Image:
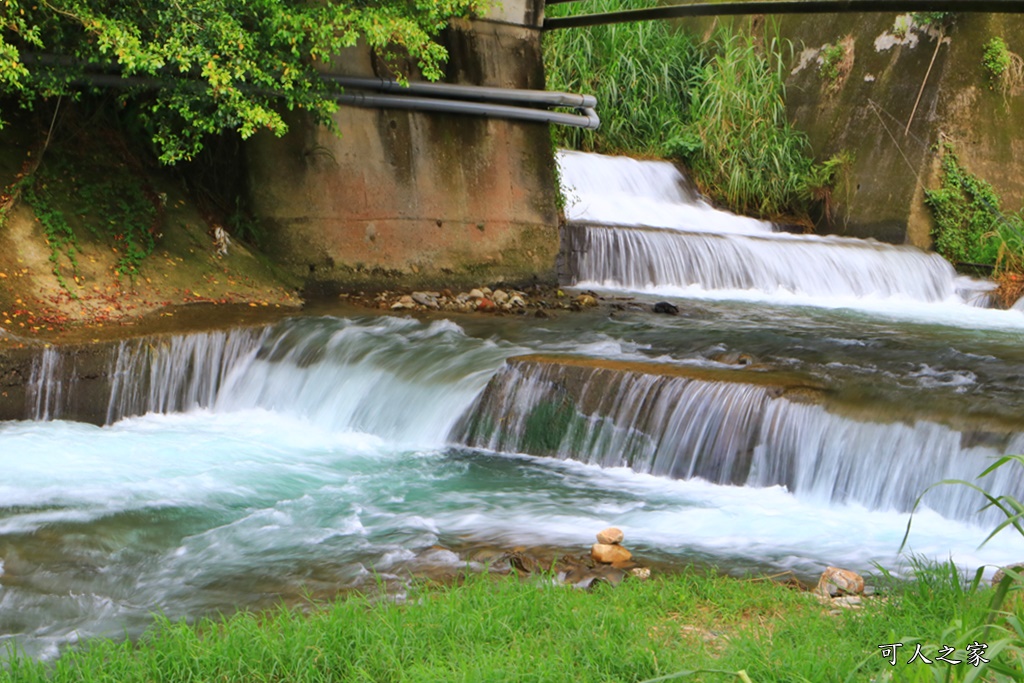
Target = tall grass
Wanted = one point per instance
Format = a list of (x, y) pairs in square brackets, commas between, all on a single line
[(747, 156), (1000, 626), (717, 105), (642, 75)]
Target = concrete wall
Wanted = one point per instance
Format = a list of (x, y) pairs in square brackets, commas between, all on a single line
[(866, 111), (80, 392), (413, 198)]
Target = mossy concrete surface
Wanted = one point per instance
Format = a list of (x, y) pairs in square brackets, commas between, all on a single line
[(38, 305), (866, 109)]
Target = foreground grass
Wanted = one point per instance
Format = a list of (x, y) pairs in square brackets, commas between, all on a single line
[(488, 629)]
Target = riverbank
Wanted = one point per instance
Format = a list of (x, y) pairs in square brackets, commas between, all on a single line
[(29, 321), (689, 625)]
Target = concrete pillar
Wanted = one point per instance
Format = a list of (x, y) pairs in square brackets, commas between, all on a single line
[(418, 199)]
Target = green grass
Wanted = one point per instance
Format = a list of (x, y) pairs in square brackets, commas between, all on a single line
[(642, 75), (487, 629)]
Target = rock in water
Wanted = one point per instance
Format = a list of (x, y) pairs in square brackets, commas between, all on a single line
[(666, 308), (606, 553), (610, 536), (835, 581)]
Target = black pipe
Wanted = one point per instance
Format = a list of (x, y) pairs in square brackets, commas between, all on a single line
[(478, 93), (784, 7), (586, 119)]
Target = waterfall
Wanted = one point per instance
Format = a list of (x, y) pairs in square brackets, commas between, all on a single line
[(636, 226), (47, 391), (176, 373), (619, 190), (735, 433), (394, 378), (639, 259), (430, 385)]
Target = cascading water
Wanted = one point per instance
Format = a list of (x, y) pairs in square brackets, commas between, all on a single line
[(392, 378), (699, 249), (620, 190), (245, 467), (46, 391), (179, 373), (729, 433), (827, 267), (249, 466)]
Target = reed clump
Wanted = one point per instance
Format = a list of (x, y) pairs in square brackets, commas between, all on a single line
[(715, 104)]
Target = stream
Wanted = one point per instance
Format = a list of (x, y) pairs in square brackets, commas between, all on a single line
[(810, 389)]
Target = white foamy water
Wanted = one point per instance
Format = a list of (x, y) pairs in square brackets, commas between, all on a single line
[(694, 518), (190, 513), (619, 190), (697, 251)]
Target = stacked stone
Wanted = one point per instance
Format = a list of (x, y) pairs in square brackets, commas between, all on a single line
[(608, 549)]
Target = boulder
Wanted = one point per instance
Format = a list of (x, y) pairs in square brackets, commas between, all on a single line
[(606, 553), (476, 294), (1017, 567), (835, 582), (500, 296), (610, 536), (666, 308)]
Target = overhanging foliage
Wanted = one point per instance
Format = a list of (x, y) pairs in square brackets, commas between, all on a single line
[(222, 64)]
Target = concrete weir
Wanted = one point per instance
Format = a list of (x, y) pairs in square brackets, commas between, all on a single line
[(415, 197), (744, 427)]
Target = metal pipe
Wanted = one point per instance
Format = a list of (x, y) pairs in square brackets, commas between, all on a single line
[(784, 7), (478, 93), (588, 119)]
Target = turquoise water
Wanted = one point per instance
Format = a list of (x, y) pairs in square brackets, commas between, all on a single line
[(323, 460)]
